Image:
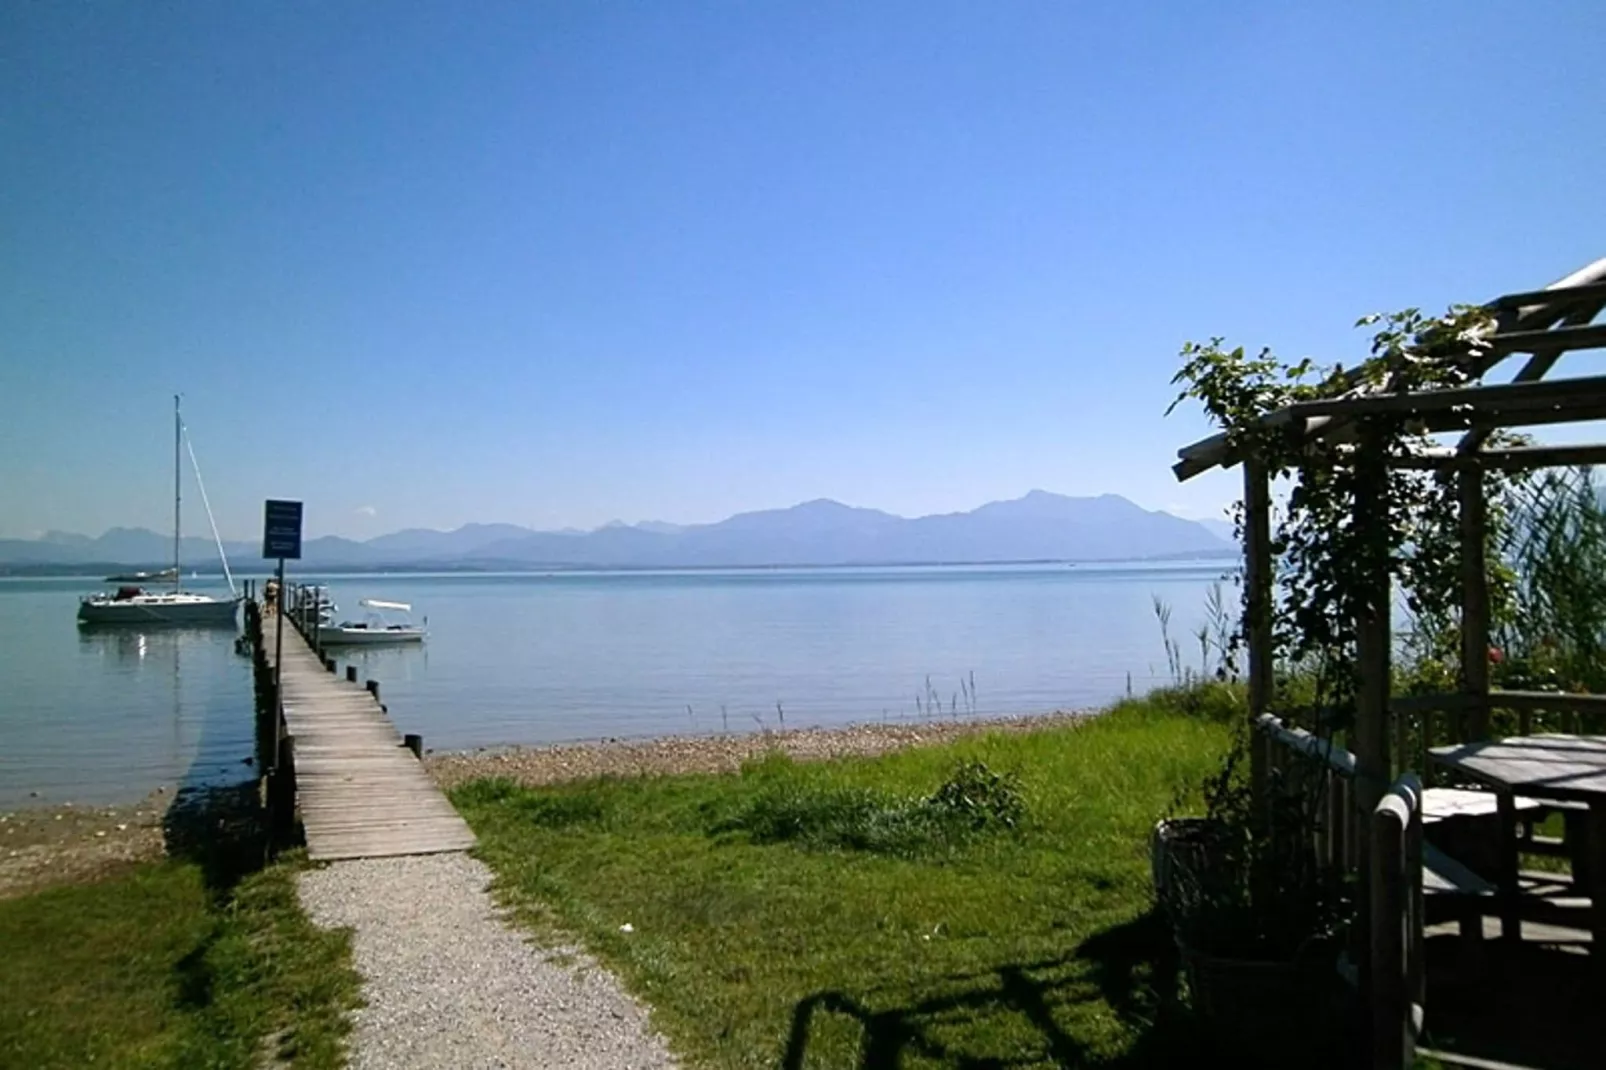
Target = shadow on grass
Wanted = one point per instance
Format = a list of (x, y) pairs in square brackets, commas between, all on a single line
[(1131, 968), (220, 829)]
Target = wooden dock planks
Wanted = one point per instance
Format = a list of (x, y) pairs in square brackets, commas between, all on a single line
[(360, 792)]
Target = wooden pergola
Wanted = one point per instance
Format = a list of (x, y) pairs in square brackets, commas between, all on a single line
[(1541, 324)]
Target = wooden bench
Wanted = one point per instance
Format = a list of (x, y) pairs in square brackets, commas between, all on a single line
[(1444, 804), (1455, 890), (1465, 822), (1404, 873)]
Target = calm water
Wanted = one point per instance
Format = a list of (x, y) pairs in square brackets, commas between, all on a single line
[(108, 715)]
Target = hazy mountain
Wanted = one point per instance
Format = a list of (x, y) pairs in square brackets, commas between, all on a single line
[(414, 543), (124, 546), (1038, 527), (1220, 528)]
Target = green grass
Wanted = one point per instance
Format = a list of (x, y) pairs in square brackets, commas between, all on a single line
[(836, 914), (152, 968)]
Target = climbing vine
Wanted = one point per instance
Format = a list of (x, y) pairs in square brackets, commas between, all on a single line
[(1345, 513)]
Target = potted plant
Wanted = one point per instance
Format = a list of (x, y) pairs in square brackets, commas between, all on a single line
[(1260, 925)]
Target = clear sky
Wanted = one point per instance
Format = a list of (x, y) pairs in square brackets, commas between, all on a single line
[(557, 263)]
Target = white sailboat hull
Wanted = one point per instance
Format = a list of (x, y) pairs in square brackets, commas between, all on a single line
[(171, 608)]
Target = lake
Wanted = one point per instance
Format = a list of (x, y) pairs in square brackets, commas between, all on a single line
[(107, 715)]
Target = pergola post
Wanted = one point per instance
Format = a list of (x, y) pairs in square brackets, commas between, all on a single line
[(1474, 603), (1257, 604), (1258, 584), (1372, 665), (1372, 629)]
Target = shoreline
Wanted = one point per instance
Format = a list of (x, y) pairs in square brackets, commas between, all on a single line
[(558, 763), (52, 843), (62, 843)]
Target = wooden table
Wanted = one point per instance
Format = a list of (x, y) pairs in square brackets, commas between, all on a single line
[(1549, 767)]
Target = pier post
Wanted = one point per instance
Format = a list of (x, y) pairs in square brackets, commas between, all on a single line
[(351, 674), (373, 689), (329, 663), (278, 630), (284, 791), (414, 743)]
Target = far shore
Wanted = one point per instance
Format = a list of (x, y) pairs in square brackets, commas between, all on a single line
[(667, 755)]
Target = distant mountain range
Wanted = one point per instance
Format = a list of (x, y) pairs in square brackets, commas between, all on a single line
[(1038, 527)]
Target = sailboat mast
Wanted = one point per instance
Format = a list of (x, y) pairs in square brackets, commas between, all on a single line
[(178, 493)]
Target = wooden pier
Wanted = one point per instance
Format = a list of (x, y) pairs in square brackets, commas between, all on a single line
[(333, 758)]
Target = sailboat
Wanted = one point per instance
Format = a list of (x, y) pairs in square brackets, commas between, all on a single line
[(135, 605)]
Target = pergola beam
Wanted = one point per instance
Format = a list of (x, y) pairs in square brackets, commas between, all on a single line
[(1551, 297), (1515, 459), (1492, 400), (1549, 340), (1527, 324), (1539, 365)]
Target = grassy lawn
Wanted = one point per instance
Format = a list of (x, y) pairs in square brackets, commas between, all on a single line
[(151, 967), (823, 915)]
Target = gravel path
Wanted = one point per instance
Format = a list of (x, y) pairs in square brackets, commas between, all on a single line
[(449, 984)]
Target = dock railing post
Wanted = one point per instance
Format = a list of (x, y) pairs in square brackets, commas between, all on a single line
[(284, 801), (278, 629)]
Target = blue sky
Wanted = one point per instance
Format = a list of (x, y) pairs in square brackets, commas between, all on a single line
[(557, 263)]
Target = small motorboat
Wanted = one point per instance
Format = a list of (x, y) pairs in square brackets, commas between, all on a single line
[(314, 596), (380, 626)]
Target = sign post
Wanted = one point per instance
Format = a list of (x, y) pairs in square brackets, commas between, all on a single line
[(281, 539)]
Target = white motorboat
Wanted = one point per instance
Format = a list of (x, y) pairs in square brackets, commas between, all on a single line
[(314, 596), (377, 628), (135, 605)]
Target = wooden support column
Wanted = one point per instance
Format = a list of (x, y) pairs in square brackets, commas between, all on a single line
[(1372, 635), (1474, 603), (1257, 604), (1258, 585), (1370, 732)]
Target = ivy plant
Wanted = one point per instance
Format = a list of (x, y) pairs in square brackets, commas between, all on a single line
[(1322, 545)]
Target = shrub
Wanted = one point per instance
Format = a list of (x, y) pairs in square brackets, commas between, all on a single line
[(981, 797), (973, 799)]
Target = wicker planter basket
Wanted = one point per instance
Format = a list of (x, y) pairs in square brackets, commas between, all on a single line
[(1282, 1013), (1278, 1013), (1188, 857)]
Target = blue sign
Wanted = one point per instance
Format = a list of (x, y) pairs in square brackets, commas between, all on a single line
[(281, 529)]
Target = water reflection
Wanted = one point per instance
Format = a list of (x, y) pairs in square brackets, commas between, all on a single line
[(403, 661), (106, 714)]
